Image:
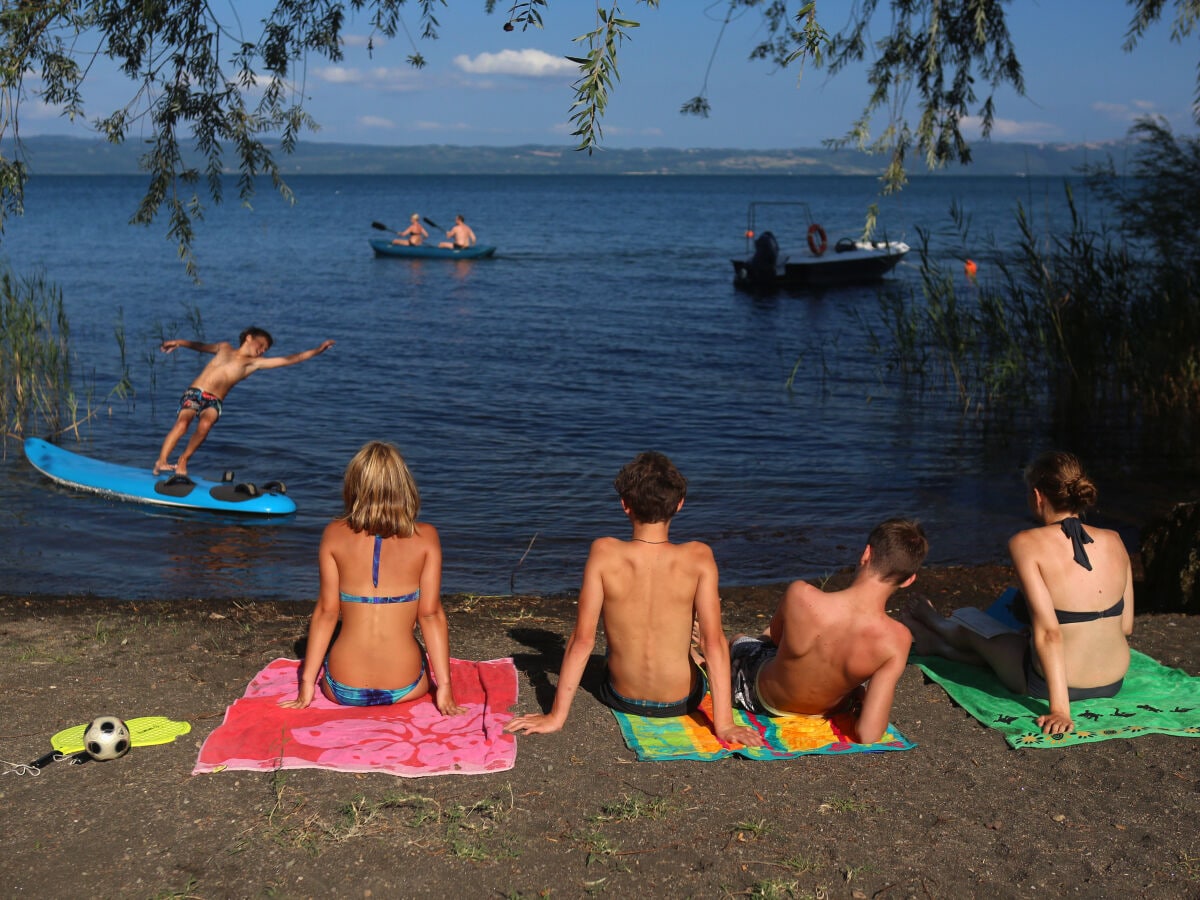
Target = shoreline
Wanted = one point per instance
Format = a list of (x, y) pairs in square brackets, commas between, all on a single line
[(987, 572), (961, 814)]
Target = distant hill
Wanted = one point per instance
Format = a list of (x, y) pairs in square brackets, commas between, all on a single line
[(82, 156)]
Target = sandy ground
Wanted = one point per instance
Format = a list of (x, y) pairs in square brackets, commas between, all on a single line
[(960, 816)]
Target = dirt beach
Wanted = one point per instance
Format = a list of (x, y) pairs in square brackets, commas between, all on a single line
[(960, 816)]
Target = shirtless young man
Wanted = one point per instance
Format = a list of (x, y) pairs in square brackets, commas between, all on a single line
[(648, 590), (202, 401), (820, 648), (461, 236)]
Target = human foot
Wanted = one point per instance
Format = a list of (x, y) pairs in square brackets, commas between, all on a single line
[(925, 641), (924, 612), (160, 467)]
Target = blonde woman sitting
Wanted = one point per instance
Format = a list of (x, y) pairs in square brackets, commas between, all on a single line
[(381, 575)]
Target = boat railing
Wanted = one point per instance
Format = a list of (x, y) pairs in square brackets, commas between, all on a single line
[(752, 216)]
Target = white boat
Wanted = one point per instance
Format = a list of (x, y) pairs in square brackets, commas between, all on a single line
[(848, 261)]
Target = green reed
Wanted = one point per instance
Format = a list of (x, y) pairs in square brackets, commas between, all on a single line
[(1078, 322), (38, 391), (35, 366)]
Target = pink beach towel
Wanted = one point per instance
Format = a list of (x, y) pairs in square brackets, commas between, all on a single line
[(410, 739)]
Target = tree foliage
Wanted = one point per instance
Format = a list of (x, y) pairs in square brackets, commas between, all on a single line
[(935, 63), (239, 93), (194, 77)]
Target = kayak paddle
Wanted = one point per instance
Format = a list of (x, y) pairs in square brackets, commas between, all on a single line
[(428, 221)]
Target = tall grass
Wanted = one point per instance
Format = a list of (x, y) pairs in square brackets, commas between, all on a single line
[(1078, 326), (37, 391), (35, 366)]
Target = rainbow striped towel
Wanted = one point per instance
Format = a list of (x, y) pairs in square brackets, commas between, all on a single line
[(692, 737)]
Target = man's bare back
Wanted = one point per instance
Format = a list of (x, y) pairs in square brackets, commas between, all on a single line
[(829, 644), (824, 651), (650, 591)]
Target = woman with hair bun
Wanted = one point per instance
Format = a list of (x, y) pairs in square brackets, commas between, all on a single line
[(1077, 590)]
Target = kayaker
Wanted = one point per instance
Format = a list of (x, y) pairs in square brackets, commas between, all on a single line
[(414, 235), (461, 236)]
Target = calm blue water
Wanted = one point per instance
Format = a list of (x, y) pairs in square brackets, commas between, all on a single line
[(516, 387)]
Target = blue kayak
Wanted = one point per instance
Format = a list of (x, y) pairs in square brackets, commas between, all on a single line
[(384, 247), (166, 489)]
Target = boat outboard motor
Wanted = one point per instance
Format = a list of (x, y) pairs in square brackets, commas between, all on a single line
[(766, 254)]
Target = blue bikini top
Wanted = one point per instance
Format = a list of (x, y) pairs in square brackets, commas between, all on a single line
[(355, 598)]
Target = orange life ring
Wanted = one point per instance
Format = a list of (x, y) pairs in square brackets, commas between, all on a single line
[(816, 232)]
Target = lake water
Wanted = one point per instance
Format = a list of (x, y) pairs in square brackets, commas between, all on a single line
[(516, 387)]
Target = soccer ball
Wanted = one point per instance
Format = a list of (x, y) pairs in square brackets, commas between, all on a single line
[(106, 737)]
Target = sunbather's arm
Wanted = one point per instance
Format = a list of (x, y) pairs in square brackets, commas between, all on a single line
[(431, 616), (1127, 614), (879, 696), (579, 650), (715, 648), (1047, 637), (320, 629)]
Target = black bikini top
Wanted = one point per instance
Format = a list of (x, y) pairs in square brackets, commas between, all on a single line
[(1020, 611), (1067, 617), (1073, 528)]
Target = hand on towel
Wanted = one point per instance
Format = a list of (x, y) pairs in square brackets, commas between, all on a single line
[(444, 699), (304, 697), (741, 734), (1055, 723)]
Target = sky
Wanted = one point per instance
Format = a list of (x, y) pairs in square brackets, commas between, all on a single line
[(485, 86)]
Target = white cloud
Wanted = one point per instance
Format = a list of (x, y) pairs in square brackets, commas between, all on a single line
[(1012, 130), (1125, 112), (609, 130), (39, 109), (380, 78), (375, 122), (362, 40), (339, 75), (524, 63)]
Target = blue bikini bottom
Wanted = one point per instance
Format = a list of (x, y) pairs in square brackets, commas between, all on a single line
[(356, 696)]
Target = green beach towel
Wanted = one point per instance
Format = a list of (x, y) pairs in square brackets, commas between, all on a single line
[(1154, 699)]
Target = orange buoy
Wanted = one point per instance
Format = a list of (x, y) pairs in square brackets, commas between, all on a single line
[(750, 235), (818, 241), (970, 268)]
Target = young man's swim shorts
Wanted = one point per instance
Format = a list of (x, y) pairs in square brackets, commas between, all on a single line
[(653, 708), (198, 400), (747, 655)]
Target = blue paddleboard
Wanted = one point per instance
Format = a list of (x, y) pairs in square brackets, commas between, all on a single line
[(165, 489)]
